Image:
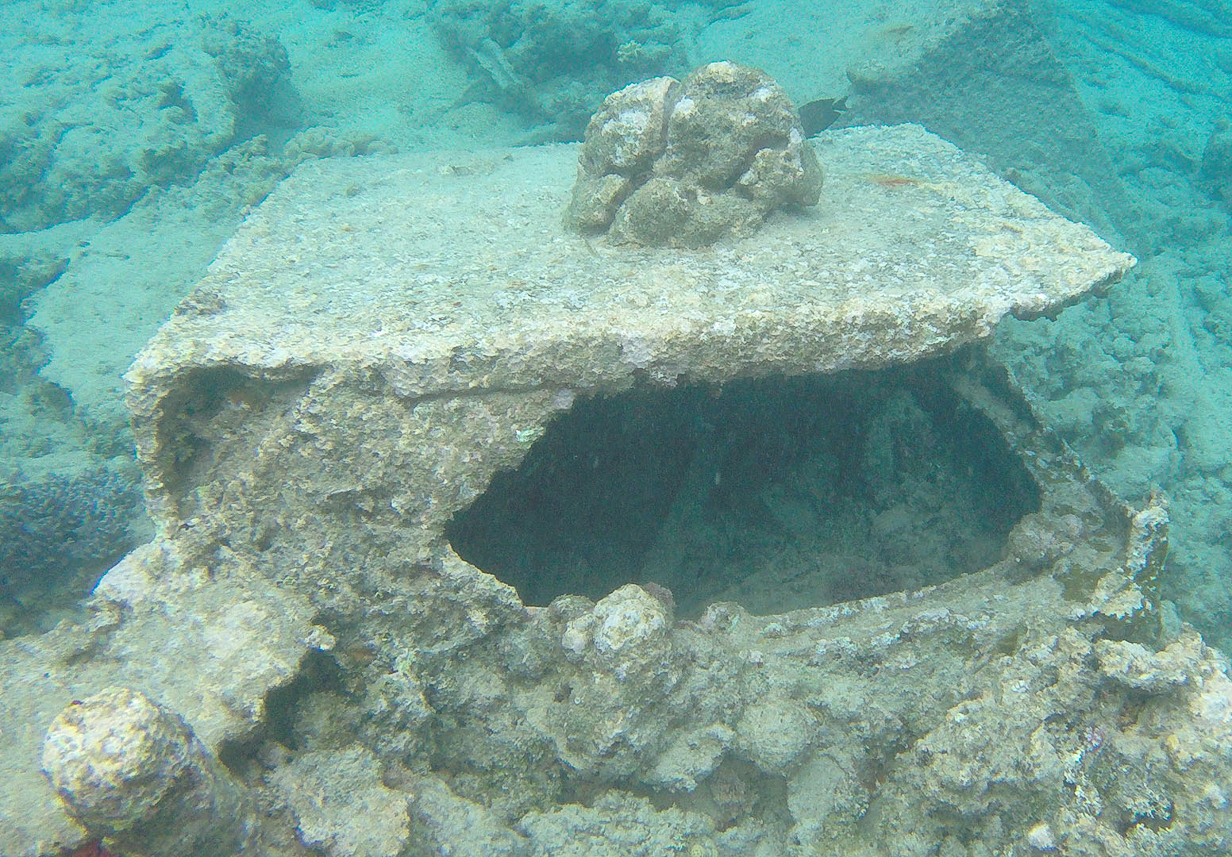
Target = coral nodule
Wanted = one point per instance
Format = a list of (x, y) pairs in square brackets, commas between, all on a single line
[(667, 163)]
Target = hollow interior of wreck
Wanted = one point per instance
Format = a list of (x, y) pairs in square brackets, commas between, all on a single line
[(777, 493)]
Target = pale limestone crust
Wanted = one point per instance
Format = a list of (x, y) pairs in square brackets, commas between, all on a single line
[(691, 758), (1135, 666), (341, 806), (385, 351)]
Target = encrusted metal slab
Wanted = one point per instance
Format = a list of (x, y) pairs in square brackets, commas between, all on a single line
[(447, 276)]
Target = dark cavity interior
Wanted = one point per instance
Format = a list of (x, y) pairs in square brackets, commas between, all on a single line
[(777, 493)]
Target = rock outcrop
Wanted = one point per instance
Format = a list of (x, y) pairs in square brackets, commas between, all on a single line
[(685, 164)]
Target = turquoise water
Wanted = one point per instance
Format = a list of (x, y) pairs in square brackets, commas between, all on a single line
[(136, 137)]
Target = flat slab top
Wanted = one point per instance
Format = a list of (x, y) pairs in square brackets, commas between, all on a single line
[(440, 262)]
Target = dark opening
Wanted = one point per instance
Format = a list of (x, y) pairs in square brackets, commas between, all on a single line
[(776, 493)]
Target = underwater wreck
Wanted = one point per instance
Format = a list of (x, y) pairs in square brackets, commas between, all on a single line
[(442, 489)]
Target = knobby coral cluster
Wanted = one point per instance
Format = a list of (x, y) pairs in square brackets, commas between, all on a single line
[(685, 164)]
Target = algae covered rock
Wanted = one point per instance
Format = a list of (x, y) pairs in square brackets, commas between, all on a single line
[(684, 164), (773, 733), (552, 64), (624, 647), (341, 805), (606, 721), (97, 125), (132, 770)]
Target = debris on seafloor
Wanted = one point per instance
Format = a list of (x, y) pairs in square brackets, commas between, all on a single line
[(399, 333)]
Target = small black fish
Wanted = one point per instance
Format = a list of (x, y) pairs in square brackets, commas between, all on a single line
[(817, 116)]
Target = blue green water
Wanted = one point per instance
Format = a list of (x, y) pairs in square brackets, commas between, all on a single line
[(135, 136)]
